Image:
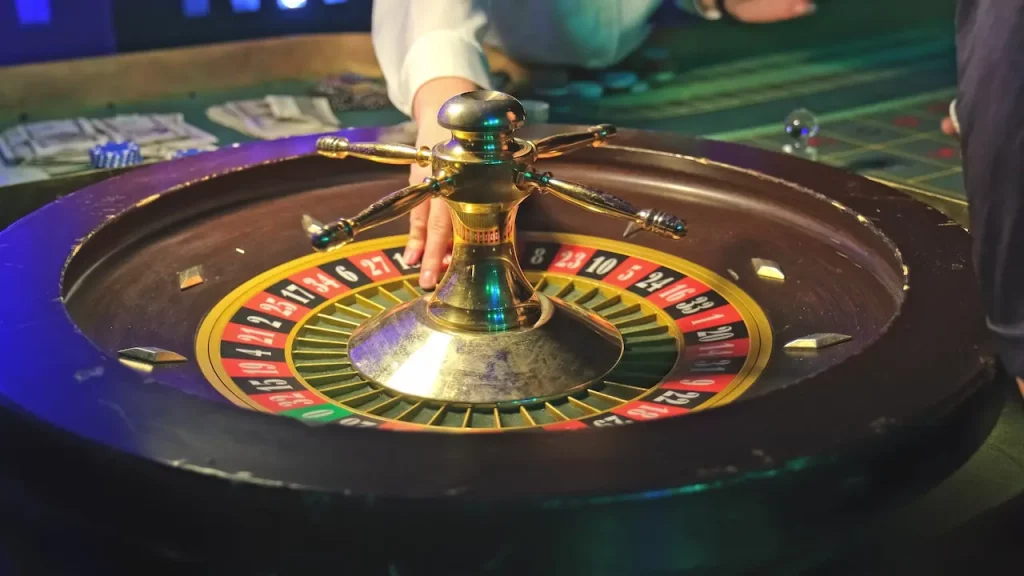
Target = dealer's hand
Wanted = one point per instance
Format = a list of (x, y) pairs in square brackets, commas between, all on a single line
[(950, 125), (430, 224), (763, 11)]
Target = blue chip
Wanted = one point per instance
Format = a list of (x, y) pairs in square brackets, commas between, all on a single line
[(115, 155), (618, 79), (185, 153), (662, 76), (552, 91), (585, 89), (639, 87)]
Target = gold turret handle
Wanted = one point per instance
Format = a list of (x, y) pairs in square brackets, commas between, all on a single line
[(570, 141), (342, 231), (339, 147), (595, 200)]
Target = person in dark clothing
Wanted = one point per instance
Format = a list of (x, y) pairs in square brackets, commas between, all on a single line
[(989, 113)]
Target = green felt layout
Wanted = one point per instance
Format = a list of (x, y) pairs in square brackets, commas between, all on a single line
[(900, 142), (879, 95), (879, 102), (194, 106)]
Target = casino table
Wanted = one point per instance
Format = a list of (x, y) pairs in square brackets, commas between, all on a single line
[(878, 88), (878, 85)]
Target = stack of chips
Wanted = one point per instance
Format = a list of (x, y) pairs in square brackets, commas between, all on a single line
[(549, 82), (115, 155), (349, 92), (621, 81), (537, 111), (585, 89), (658, 66)]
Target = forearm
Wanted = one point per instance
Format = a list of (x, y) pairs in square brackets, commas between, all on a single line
[(707, 9), (431, 95), (990, 106), (422, 41)]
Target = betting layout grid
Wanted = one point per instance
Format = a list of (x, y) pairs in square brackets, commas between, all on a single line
[(718, 345), (902, 144)]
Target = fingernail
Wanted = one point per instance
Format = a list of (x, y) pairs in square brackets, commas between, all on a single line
[(803, 8), (447, 260), (409, 256), (428, 279)]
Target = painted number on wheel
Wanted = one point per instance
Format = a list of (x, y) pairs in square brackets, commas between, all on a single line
[(654, 281), (281, 401), (570, 259), (630, 271), (277, 306), (376, 265), (320, 283)]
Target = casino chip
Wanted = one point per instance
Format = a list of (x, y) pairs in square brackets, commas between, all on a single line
[(115, 155), (618, 80), (349, 92), (537, 111), (585, 89), (549, 82), (184, 153), (639, 87), (371, 100), (658, 66), (551, 91)]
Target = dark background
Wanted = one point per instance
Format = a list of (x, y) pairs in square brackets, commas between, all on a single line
[(41, 30)]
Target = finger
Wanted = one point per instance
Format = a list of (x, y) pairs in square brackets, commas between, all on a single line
[(439, 235), (417, 233), (763, 11), (947, 127), (417, 173)]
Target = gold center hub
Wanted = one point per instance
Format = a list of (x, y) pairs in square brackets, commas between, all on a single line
[(410, 351)]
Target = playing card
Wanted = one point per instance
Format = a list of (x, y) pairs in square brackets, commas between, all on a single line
[(58, 137), (256, 118), (140, 128), (302, 108), (17, 174), (52, 138), (155, 133), (59, 147), (7, 153)]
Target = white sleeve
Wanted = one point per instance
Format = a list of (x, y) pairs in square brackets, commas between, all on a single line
[(419, 40)]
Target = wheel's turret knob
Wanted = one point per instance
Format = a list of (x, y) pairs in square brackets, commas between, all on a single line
[(482, 111)]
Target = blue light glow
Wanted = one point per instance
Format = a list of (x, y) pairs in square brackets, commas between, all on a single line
[(240, 6), (329, 2), (32, 11), (290, 4), (195, 8)]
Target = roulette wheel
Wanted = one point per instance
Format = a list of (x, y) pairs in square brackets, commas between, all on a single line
[(193, 379)]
